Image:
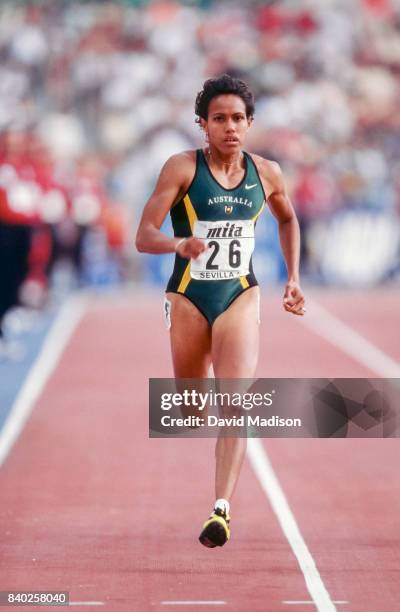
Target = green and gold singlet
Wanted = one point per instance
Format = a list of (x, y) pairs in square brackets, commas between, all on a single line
[(225, 220)]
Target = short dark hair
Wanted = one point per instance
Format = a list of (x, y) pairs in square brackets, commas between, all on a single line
[(217, 86)]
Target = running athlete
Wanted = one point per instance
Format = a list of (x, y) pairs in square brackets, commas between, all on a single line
[(214, 196)]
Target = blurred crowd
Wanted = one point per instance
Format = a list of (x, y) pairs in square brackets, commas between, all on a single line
[(94, 96)]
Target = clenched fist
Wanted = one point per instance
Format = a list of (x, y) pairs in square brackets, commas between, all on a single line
[(293, 299), (191, 248)]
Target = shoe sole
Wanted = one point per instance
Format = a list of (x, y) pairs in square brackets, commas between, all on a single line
[(213, 535)]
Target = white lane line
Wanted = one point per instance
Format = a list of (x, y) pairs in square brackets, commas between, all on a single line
[(86, 603), (349, 341), (270, 484), (193, 603), (309, 603), (46, 362)]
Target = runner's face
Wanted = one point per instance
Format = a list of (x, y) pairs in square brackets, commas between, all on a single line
[(227, 123)]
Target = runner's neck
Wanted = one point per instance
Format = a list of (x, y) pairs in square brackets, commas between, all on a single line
[(225, 163)]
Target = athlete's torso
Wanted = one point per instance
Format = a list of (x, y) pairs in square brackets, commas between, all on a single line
[(207, 200), (225, 219)]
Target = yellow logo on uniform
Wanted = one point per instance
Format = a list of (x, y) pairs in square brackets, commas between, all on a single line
[(228, 209)]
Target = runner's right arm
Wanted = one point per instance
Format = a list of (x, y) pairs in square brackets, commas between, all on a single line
[(172, 184)]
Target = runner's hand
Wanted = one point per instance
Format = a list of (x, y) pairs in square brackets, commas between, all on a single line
[(293, 299), (191, 248)]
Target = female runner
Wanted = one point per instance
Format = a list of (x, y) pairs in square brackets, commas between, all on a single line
[(214, 196)]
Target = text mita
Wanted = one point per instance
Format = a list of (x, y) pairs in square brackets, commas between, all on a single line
[(225, 231)]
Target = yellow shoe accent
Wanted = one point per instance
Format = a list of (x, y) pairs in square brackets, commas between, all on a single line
[(216, 531)]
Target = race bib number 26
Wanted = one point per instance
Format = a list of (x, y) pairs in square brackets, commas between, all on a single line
[(230, 246)]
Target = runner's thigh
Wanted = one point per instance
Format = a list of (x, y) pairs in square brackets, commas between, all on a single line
[(190, 337), (235, 337)]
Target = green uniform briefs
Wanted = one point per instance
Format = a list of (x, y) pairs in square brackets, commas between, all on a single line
[(225, 219)]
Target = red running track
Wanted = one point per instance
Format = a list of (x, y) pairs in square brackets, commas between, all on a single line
[(92, 506)]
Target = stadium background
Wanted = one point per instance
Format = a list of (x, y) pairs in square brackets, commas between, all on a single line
[(94, 97)]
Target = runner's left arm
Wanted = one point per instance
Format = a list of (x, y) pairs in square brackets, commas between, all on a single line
[(289, 234)]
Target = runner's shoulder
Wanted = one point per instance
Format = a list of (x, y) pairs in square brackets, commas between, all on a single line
[(269, 171), (181, 164)]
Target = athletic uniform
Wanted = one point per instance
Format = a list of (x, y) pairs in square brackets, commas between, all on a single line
[(225, 220)]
